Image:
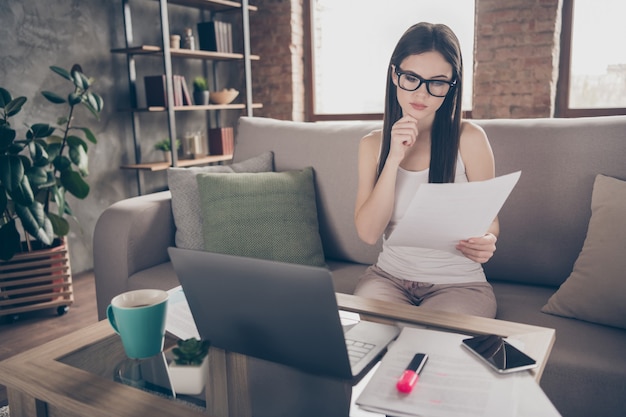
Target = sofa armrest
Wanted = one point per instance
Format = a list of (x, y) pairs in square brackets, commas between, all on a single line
[(130, 236)]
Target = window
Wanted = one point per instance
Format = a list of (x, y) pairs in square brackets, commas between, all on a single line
[(593, 65), (351, 43)]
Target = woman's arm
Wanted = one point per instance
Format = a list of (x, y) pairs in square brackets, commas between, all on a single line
[(376, 196)]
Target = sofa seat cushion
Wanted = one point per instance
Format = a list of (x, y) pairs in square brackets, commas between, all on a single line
[(161, 277), (582, 351)]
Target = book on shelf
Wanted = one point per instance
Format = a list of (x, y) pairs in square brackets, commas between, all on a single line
[(221, 141), (187, 101), (216, 36), (156, 91)]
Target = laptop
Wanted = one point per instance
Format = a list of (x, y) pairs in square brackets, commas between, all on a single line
[(279, 312)]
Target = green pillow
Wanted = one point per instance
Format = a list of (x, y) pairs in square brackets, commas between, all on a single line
[(270, 215)]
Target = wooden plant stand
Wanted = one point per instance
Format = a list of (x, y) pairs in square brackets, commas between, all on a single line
[(36, 280)]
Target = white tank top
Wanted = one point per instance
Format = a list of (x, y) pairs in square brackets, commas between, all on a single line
[(423, 264)]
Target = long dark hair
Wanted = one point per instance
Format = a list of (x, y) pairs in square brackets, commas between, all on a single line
[(420, 38)]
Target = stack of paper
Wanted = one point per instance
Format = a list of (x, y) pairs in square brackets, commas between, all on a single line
[(453, 382)]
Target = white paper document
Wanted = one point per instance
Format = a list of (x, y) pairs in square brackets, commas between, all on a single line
[(441, 215), (179, 321), (452, 383)]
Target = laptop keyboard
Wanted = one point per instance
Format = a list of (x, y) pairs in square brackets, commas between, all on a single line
[(357, 350)]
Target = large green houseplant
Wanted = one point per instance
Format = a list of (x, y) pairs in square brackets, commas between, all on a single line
[(38, 167)]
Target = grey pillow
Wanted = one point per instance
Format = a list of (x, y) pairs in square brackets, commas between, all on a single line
[(186, 201)]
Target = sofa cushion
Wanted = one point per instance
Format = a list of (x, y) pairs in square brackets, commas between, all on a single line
[(269, 215), (185, 200), (596, 288)]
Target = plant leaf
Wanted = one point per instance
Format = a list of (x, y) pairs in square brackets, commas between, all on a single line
[(35, 222), (92, 110), (5, 97), (74, 98), (9, 240), (7, 136), (38, 177), (53, 97), (60, 225), (77, 141), (39, 130), (80, 159), (14, 106), (88, 134), (39, 153), (53, 148), (62, 72), (14, 180), (23, 193), (80, 80), (3, 202), (11, 171), (95, 101), (62, 163), (74, 183), (58, 194)]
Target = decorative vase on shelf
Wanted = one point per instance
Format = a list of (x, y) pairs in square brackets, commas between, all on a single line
[(201, 98), (200, 91)]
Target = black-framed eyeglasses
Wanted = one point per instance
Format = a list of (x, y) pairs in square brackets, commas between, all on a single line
[(436, 88)]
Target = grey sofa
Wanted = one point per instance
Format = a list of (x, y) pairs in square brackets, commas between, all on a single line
[(543, 227)]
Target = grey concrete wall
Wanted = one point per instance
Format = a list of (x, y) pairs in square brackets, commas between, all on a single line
[(36, 34)]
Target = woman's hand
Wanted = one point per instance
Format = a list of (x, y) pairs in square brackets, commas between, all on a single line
[(478, 249), (403, 136)]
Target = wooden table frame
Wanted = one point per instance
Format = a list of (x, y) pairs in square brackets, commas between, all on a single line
[(39, 385)]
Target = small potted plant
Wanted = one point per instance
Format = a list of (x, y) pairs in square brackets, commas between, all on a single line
[(200, 91), (165, 146), (189, 369)]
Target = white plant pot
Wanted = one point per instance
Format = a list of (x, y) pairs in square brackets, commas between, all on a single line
[(189, 379)]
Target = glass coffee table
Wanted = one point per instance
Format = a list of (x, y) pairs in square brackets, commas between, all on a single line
[(87, 373)]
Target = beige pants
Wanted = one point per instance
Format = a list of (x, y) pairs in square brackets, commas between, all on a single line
[(474, 298)]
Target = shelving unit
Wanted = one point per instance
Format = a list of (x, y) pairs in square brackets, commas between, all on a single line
[(166, 54)]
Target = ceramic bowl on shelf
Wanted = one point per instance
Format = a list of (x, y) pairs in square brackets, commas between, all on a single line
[(225, 96)]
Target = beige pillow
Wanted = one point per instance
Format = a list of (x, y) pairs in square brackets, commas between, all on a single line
[(595, 291)]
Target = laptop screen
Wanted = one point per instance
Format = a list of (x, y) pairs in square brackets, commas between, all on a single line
[(283, 313)]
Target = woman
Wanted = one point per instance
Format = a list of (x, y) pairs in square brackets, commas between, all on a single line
[(423, 140)]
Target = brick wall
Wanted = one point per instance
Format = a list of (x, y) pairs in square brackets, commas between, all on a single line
[(515, 67), (278, 77), (516, 58)]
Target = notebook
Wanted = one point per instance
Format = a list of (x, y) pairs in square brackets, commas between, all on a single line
[(280, 312)]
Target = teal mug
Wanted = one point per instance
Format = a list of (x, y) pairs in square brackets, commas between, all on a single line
[(139, 318)]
